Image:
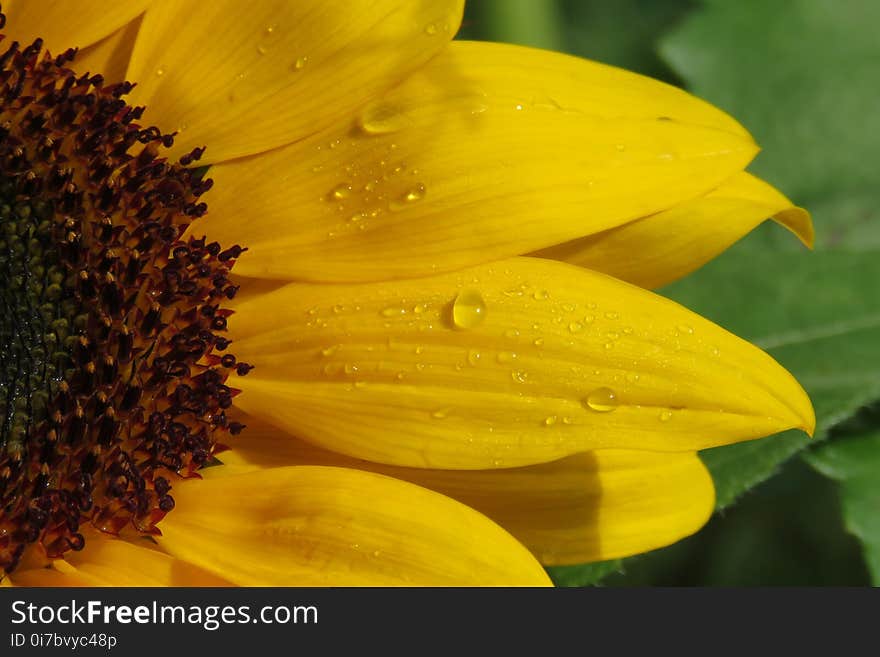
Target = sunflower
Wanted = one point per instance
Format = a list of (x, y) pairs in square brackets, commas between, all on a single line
[(437, 360)]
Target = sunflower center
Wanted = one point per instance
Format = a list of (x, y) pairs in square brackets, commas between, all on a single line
[(112, 360)]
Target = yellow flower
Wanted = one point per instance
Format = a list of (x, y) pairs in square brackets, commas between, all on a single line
[(426, 406)]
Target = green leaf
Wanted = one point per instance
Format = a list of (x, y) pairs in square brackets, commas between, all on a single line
[(801, 75), (621, 33), (854, 461), (787, 531), (584, 574), (818, 315)]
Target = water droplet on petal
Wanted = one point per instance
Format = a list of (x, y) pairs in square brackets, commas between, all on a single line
[(474, 357), (507, 357), (519, 376), (300, 63), (575, 327), (611, 315), (540, 295), (380, 118), (550, 420), (341, 191), (417, 193), (441, 413), (393, 311), (469, 309), (431, 29), (602, 400), (665, 415)]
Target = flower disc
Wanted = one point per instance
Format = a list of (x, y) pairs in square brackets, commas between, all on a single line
[(112, 366)]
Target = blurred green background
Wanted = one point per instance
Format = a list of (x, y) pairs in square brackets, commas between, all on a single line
[(801, 76)]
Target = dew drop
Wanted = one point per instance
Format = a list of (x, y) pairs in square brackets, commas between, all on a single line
[(540, 295), (431, 29), (589, 319), (380, 118), (684, 328), (419, 308), (550, 420), (507, 356), (417, 193), (612, 315), (539, 342), (393, 311), (160, 72), (329, 351), (441, 413), (262, 50), (469, 309), (300, 63), (665, 415), (341, 191), (575, 327), (602, 400), (519, 376), (512, 333), (474, 357)]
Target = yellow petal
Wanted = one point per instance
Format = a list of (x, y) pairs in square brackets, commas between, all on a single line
[(562, 360), (307, 526), (488, 151), (64, 25), (110, 55), (115, 562), (244, 77), (664, 247), (588, 507)]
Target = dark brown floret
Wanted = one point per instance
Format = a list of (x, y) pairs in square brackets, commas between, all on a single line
[(111, 380)]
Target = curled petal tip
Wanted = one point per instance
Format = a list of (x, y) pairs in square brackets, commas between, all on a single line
[(799, 222), (809, 418)]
